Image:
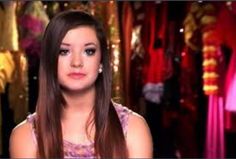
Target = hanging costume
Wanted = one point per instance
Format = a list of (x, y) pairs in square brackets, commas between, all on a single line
[(13, 64), (7, 41), (32, 21), (221, 34), (127, 24), (154, 58)]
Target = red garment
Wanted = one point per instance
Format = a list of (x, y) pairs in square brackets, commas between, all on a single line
[(226, 28), (154, 29)]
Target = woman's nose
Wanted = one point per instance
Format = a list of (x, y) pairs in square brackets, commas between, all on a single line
[(76, 60)]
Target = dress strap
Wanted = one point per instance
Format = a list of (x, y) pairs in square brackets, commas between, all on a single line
[(31, 121), (123, 114)]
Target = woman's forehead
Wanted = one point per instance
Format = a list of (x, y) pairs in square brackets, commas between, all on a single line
[(82, 34)]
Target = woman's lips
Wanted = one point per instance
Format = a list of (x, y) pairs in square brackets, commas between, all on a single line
[(76, 75)]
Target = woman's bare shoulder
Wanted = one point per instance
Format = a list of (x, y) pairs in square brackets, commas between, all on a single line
[(139, 140), (22, 144)]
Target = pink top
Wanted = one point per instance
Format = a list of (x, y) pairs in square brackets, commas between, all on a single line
[(72, 150)]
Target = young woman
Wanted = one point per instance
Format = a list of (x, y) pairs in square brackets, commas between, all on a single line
[(75, 116)]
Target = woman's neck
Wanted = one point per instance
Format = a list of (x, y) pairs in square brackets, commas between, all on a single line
[(79, 103)]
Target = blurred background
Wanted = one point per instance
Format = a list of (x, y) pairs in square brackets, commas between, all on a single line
[(172, 62)]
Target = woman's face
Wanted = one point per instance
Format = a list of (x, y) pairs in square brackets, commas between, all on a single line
[(79, 59)]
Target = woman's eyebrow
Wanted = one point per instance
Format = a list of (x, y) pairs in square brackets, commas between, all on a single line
[(90, 43), (66, 44)]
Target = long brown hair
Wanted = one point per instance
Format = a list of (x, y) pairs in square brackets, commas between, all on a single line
[(109, 137)]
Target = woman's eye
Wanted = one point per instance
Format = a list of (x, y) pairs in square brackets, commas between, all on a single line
[(63, 52), (90, 51)]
